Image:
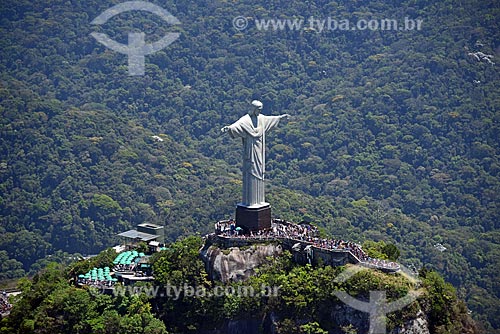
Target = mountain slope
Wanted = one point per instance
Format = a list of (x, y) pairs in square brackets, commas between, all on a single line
[(395, 135)]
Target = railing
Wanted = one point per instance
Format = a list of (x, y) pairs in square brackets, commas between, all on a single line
[(370, 262)]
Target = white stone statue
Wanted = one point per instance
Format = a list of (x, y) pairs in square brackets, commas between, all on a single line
[(252, 128)]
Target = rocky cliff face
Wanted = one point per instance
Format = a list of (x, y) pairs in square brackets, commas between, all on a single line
[(235, 264), (345, 316), (419, 325)]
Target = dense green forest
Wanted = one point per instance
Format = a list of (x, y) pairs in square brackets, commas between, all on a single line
[(394, 135)]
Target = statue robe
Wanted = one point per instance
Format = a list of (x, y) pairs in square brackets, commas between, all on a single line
[(254, 140)]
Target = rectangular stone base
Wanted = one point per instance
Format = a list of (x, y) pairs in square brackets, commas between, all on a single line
[(253, 219)]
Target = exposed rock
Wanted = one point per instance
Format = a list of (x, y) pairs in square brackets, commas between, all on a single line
[(235, 264), (342, 315), (480, 56), (419, 325), (434, 219), (439, 247)]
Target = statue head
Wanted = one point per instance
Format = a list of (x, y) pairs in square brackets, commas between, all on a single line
[(257, 107)]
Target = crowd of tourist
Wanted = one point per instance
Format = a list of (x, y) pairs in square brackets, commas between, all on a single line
[(5, 306), (304, 232), (97, 283), (281, 229), (356, 251)]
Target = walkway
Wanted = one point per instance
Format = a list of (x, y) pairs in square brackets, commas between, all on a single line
[(306, 235)]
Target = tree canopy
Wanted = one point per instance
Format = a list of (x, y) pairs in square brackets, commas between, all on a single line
[(394, 137)]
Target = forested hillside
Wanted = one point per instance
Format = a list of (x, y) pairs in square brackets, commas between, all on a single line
[(394, 135), (51, 304)]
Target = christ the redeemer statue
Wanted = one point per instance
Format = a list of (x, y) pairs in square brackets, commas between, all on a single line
[(252, 128)]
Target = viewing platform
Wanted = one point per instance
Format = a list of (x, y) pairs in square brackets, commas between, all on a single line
[(303, 241)]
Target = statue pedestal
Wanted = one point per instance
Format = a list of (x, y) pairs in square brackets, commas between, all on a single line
[(253, 218)]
